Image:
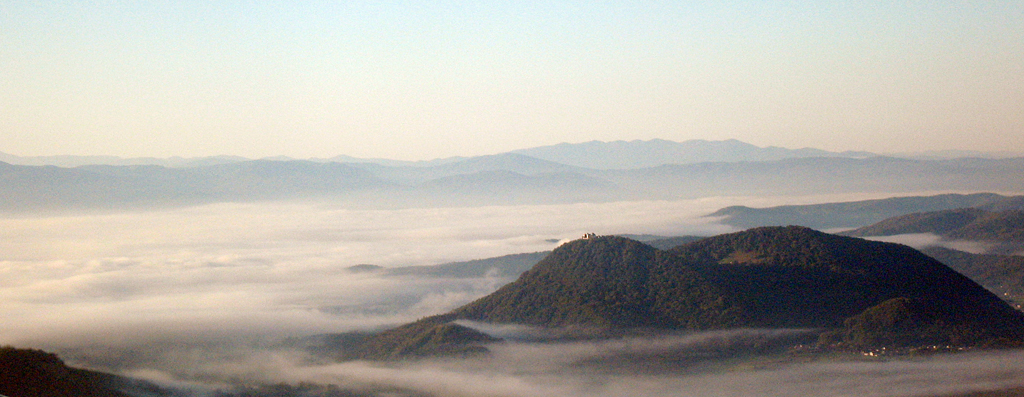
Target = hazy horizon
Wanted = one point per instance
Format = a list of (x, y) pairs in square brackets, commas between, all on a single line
[(418, 81), (940, 153), (202, 275)]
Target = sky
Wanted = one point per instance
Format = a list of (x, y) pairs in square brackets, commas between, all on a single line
[(415, 80)]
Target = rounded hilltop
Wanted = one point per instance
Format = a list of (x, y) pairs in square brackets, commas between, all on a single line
[(859, 294)]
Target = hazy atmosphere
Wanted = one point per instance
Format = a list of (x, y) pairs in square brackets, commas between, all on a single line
[(195, 297), (667, 198), (275, 269), (423, 80)]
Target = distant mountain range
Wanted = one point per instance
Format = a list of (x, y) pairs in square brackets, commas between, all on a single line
[(653, 153), (69, 161), (862, 294), (49, 188), (485, 180), (593, 154)]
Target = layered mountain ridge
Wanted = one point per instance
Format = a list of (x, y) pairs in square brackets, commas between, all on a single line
[(974, 224), (509, 179), (855, 214)]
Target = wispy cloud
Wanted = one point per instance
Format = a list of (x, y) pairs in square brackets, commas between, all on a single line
[(925, 240), (563, 369)]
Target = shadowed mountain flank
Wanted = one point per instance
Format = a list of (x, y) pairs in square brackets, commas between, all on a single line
[(798, 277), (35, 373), (1002, 274)]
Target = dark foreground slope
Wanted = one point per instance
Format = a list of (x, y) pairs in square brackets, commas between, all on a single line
[(34, 373), (861, 294)]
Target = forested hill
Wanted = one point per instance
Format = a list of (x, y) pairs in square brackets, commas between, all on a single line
[(852, 214), (796, 276), (961, 224), (606, 282), (862, 293)]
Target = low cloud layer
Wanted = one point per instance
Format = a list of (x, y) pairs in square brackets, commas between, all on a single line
[(581, 369), (201, 295), (261, 270), (925, 240)]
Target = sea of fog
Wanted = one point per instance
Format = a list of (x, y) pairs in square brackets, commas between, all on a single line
[(203, 294)]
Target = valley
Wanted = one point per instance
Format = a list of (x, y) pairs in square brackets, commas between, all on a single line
[(315, 278)]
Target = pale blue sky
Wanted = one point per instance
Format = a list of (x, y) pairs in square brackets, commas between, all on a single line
[(419, 80)]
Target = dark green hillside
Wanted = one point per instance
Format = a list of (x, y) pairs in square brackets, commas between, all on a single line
[(1003, 230), (672, 242), (509, 266), (961, 223), (904, 322), (862, 293), (798, 277), (993, 226), (431, 336), (937, 222), (1003, 274), (606, 282)]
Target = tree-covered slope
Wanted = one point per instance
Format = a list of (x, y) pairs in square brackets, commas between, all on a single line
[(431, 336), (605, 282), (860, 292), (1003, 274), (860, 213), (795, 276), (1003, 230), (937, 222)]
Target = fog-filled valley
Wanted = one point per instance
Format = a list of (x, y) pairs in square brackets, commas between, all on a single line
[(277, 269), (131, 290), (229, 277), (395, 199), (211, 298)]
